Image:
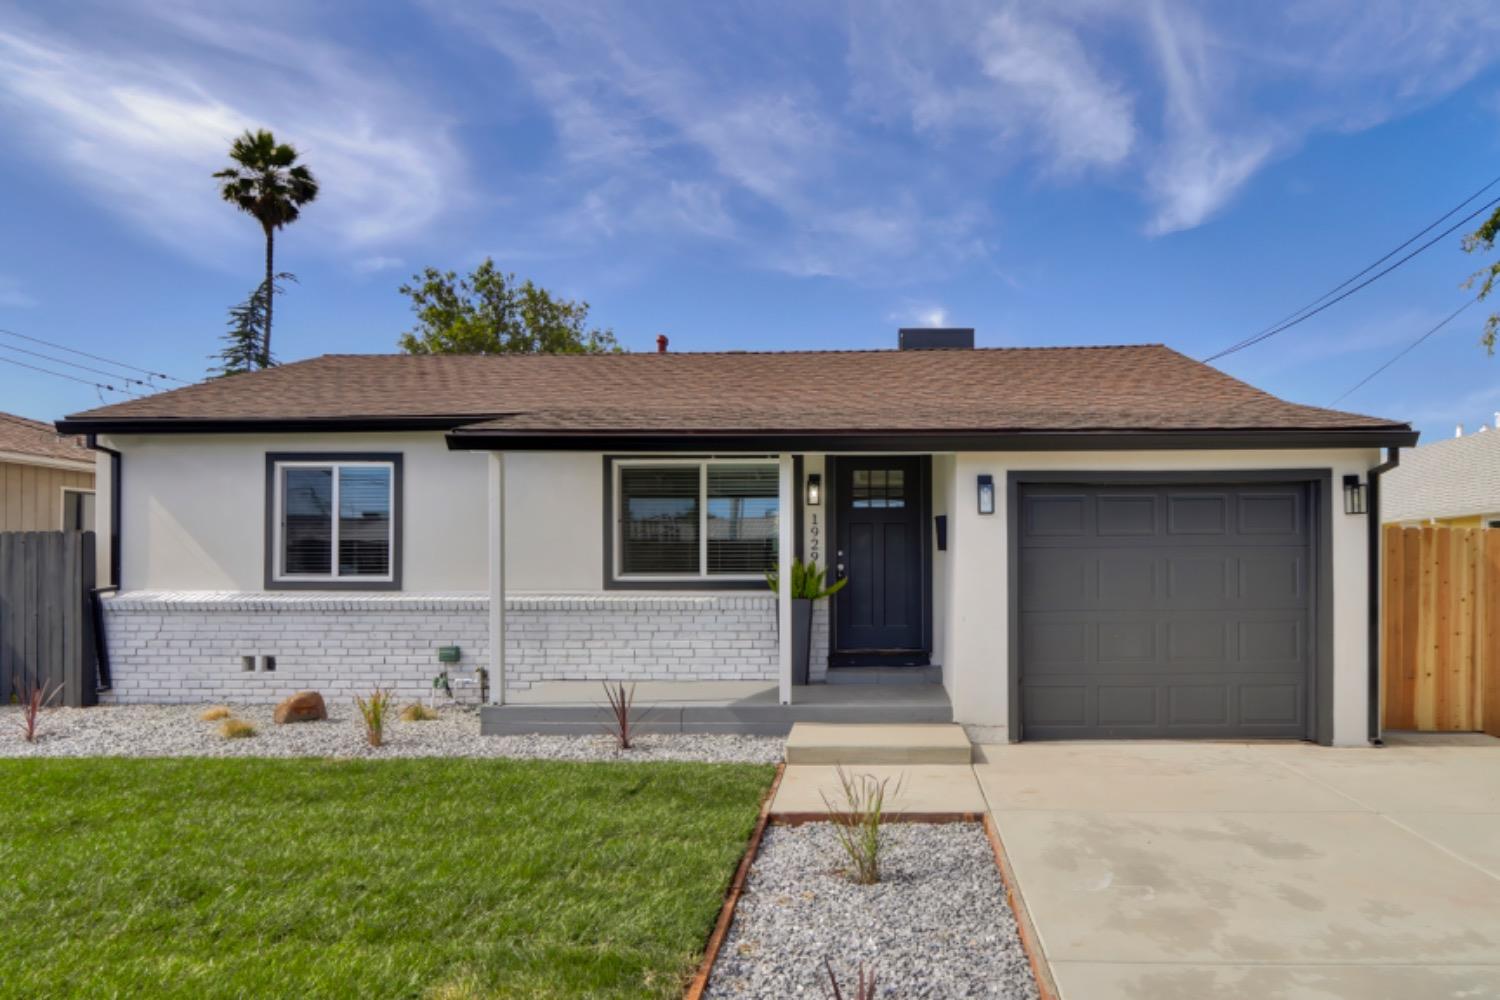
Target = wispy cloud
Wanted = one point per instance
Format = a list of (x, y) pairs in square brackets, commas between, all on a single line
[(146, 99)]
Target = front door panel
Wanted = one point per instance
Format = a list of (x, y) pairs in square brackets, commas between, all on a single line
[(880, 552)]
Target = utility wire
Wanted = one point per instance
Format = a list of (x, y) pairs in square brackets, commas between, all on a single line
[(72, 378), (1325, 300), (96, 357), (1403, 352), (74, 364)]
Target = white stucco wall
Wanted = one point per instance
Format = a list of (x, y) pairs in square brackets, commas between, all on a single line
[(193, 512), (975, 664)]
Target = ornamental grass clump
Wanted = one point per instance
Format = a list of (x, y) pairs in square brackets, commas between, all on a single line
[(375, 711), (864, 986), (857, 820), (214, 713), (38, 696), (236, 729), (621, 714), (418, 712)]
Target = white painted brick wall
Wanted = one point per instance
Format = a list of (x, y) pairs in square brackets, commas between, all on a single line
[(187, 647)]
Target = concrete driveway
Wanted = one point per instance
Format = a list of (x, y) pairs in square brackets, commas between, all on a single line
[(1287, 871)]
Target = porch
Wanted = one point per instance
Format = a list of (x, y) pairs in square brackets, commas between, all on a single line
[(569, 708)]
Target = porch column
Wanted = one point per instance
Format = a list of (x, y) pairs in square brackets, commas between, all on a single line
[(497, 577), (785, 549)]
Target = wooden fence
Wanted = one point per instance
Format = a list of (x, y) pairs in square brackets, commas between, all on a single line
[(1440, 621), (47, 624)]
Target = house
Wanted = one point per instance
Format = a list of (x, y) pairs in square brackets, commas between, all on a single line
[(1455, 481), (46, 478), (1081, 542)]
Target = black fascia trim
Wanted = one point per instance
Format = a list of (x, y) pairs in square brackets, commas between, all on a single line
[(475, 440), (268, 425), (1319, 482), (398, 491), (610, 582)]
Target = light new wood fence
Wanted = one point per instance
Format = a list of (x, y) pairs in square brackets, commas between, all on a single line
[(1440, 622)]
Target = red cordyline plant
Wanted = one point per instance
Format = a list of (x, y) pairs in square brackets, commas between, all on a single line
[(37, 697), (374, 711), (864, 987), (622, 714)]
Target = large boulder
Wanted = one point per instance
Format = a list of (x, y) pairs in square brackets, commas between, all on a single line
[(304, 706)]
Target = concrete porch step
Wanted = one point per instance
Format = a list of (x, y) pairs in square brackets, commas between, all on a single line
[(859, 744)]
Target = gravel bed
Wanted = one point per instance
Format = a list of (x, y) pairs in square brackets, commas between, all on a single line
[(176, 731), (937, 925)]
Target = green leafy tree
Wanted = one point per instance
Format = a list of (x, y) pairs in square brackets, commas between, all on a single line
[(489, 312), (1482, 240), (266, 182), (244, 343)]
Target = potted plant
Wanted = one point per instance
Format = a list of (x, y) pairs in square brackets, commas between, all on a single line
[(808, 585)]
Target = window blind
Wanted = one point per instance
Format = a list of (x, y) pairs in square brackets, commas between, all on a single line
[(659, 519), (364, 521), (743, 501)]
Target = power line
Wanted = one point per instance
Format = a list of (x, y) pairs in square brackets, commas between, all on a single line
[(1403, 352), (71, 378), (96, 357), (1319, 304), (74, 364)]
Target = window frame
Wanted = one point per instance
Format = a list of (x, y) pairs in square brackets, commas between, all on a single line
[(275, 579), (615, 580), (63, 513)]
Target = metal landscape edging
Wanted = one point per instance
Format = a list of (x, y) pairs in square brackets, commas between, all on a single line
[(716, 938)]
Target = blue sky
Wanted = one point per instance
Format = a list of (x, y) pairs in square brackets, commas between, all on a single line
[(766, 175)]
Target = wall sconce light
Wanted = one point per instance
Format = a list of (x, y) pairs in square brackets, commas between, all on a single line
[(814, 489), (1354, 495), (986, 494)]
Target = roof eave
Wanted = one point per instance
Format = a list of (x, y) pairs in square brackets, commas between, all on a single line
[(250, 425), (489, 439)]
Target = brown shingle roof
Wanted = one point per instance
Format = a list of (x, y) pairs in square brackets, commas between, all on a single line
[(1135, 388), (21, 436)]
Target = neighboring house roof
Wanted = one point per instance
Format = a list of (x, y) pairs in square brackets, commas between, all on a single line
[(24, 440), (1146, 389), (1455, 477)]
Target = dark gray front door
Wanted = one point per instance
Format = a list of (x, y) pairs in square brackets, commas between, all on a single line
[(1177, 611), (878, 614)]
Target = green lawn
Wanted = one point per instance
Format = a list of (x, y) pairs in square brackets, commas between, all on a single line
[(400, 878)]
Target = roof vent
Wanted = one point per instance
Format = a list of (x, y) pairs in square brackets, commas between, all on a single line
[(942, 338), (661, 343)]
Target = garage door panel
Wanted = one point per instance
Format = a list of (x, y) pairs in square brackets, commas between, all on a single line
[(1198, 705), (1055, 580), (1197, 514), (1165, 612), (1130, 515)]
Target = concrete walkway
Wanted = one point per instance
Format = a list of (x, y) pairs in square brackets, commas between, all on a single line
[(1288, 871)]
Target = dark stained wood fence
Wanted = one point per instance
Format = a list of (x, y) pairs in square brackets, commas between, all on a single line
[(1440, 628), (47, 625)]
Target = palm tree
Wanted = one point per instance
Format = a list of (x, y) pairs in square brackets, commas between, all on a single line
[(266, 181)]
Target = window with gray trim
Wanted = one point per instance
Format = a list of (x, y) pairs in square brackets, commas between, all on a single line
[(698, 519), (334, 519)]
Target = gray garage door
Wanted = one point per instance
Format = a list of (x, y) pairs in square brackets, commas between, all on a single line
[(1151, 611)]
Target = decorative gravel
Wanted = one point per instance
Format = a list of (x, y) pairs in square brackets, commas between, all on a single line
[(176, 731), (937, 925)]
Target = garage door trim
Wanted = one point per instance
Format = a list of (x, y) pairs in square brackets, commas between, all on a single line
[(1319, 483)]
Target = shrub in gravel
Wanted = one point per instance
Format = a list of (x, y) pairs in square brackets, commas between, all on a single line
[(236, 729), (864, 987), (856, 820), (374, 711), (214, 713), (418, 712), (37, 696), (621, 714)]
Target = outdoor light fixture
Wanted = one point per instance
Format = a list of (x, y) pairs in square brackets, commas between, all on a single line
[(814, 489), (986, 494), (1354, 495)]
